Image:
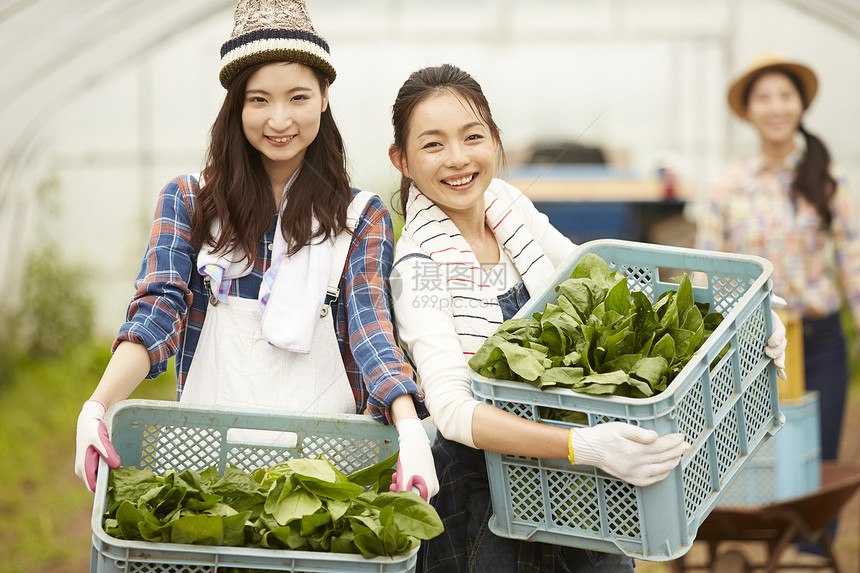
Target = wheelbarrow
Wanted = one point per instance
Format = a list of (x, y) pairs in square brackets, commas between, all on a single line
[(778, 525)]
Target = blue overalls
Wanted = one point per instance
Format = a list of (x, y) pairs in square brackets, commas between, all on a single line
[(463, 503)]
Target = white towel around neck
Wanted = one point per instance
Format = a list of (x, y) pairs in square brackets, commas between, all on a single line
[(292, 291), (440, 239)]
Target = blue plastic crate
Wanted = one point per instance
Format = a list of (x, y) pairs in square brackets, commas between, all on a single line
[(166, 435), (786, 467), (725, 412)]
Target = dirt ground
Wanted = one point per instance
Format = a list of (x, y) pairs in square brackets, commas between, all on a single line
[(847, 543)]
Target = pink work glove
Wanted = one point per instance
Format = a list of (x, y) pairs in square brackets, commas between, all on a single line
[(634, 454), (93, 442), (776, 344), (415, 469)]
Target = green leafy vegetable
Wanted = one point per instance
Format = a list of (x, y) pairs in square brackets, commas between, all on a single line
[(300, 504), (600, 338)]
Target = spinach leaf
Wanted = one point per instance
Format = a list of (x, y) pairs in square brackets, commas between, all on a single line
[(413, 516), (294, 505), (372, 474), (600, 338), (300, 504), (198, 530)]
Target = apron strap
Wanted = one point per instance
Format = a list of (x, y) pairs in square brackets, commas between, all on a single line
[(342, 243)]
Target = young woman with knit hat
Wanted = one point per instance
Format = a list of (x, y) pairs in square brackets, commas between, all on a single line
[(265, 276), (787, 202), (472, 250)]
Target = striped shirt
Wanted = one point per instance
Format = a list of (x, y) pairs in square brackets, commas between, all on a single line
[(429, 304), (751, 211), (169, 306)]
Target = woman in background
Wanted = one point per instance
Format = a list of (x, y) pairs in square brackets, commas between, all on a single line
[(788, 203)]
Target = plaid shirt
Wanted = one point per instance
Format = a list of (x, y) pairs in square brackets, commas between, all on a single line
[(168, 309), (751, 211)]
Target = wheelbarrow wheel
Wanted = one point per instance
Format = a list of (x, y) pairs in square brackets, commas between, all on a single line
[(732, 561)]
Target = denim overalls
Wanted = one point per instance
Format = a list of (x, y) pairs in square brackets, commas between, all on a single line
[(463, 503)]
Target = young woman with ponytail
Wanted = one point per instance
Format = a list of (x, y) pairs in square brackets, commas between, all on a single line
[(472, 251), (787, 202)]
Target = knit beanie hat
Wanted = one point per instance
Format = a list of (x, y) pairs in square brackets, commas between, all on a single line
[(273, 31)]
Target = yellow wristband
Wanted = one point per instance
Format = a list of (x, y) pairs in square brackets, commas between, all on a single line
[(570, 447)]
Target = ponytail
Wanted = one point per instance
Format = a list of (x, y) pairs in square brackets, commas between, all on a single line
[(813, 180)]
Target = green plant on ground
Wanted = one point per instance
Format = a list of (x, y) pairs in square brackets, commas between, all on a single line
[(45, 507), (56, 310)]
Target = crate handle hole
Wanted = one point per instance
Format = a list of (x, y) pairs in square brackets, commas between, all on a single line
[(262, 437), (573, 417), (669, 275)]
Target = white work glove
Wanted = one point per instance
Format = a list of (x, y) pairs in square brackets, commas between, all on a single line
[(415, 468), (775, 348), (93, 442), (634, 454)]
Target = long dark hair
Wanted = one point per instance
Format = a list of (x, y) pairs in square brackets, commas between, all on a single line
[(423, 84), (236, 189), (812, 180)]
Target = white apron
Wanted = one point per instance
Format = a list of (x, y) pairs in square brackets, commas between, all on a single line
[(235, 366)]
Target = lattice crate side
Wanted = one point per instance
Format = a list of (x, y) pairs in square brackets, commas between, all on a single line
[(621, 509), (574, 501), (759, 398), (639, 278), (347, 454), (144, 567), (150, 447), (532, 488), (694, 422), (691, 490), (751, 338), (721, 383), (138, 559), (786, 466), (697, 479), (614, 502), (251, 458), (727, 444), (519, 409), (526, 502), (160, 448), (693, 417), (199, 446), (723, 418)]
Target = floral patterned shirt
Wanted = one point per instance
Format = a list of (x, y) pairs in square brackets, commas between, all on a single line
[(751, 211)]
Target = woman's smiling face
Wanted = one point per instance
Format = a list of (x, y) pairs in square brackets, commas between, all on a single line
[(449, 152), (774, 107), (281, 114)]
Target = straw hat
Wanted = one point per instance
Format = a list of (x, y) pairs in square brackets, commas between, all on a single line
[(273, 31), (767, 62)]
